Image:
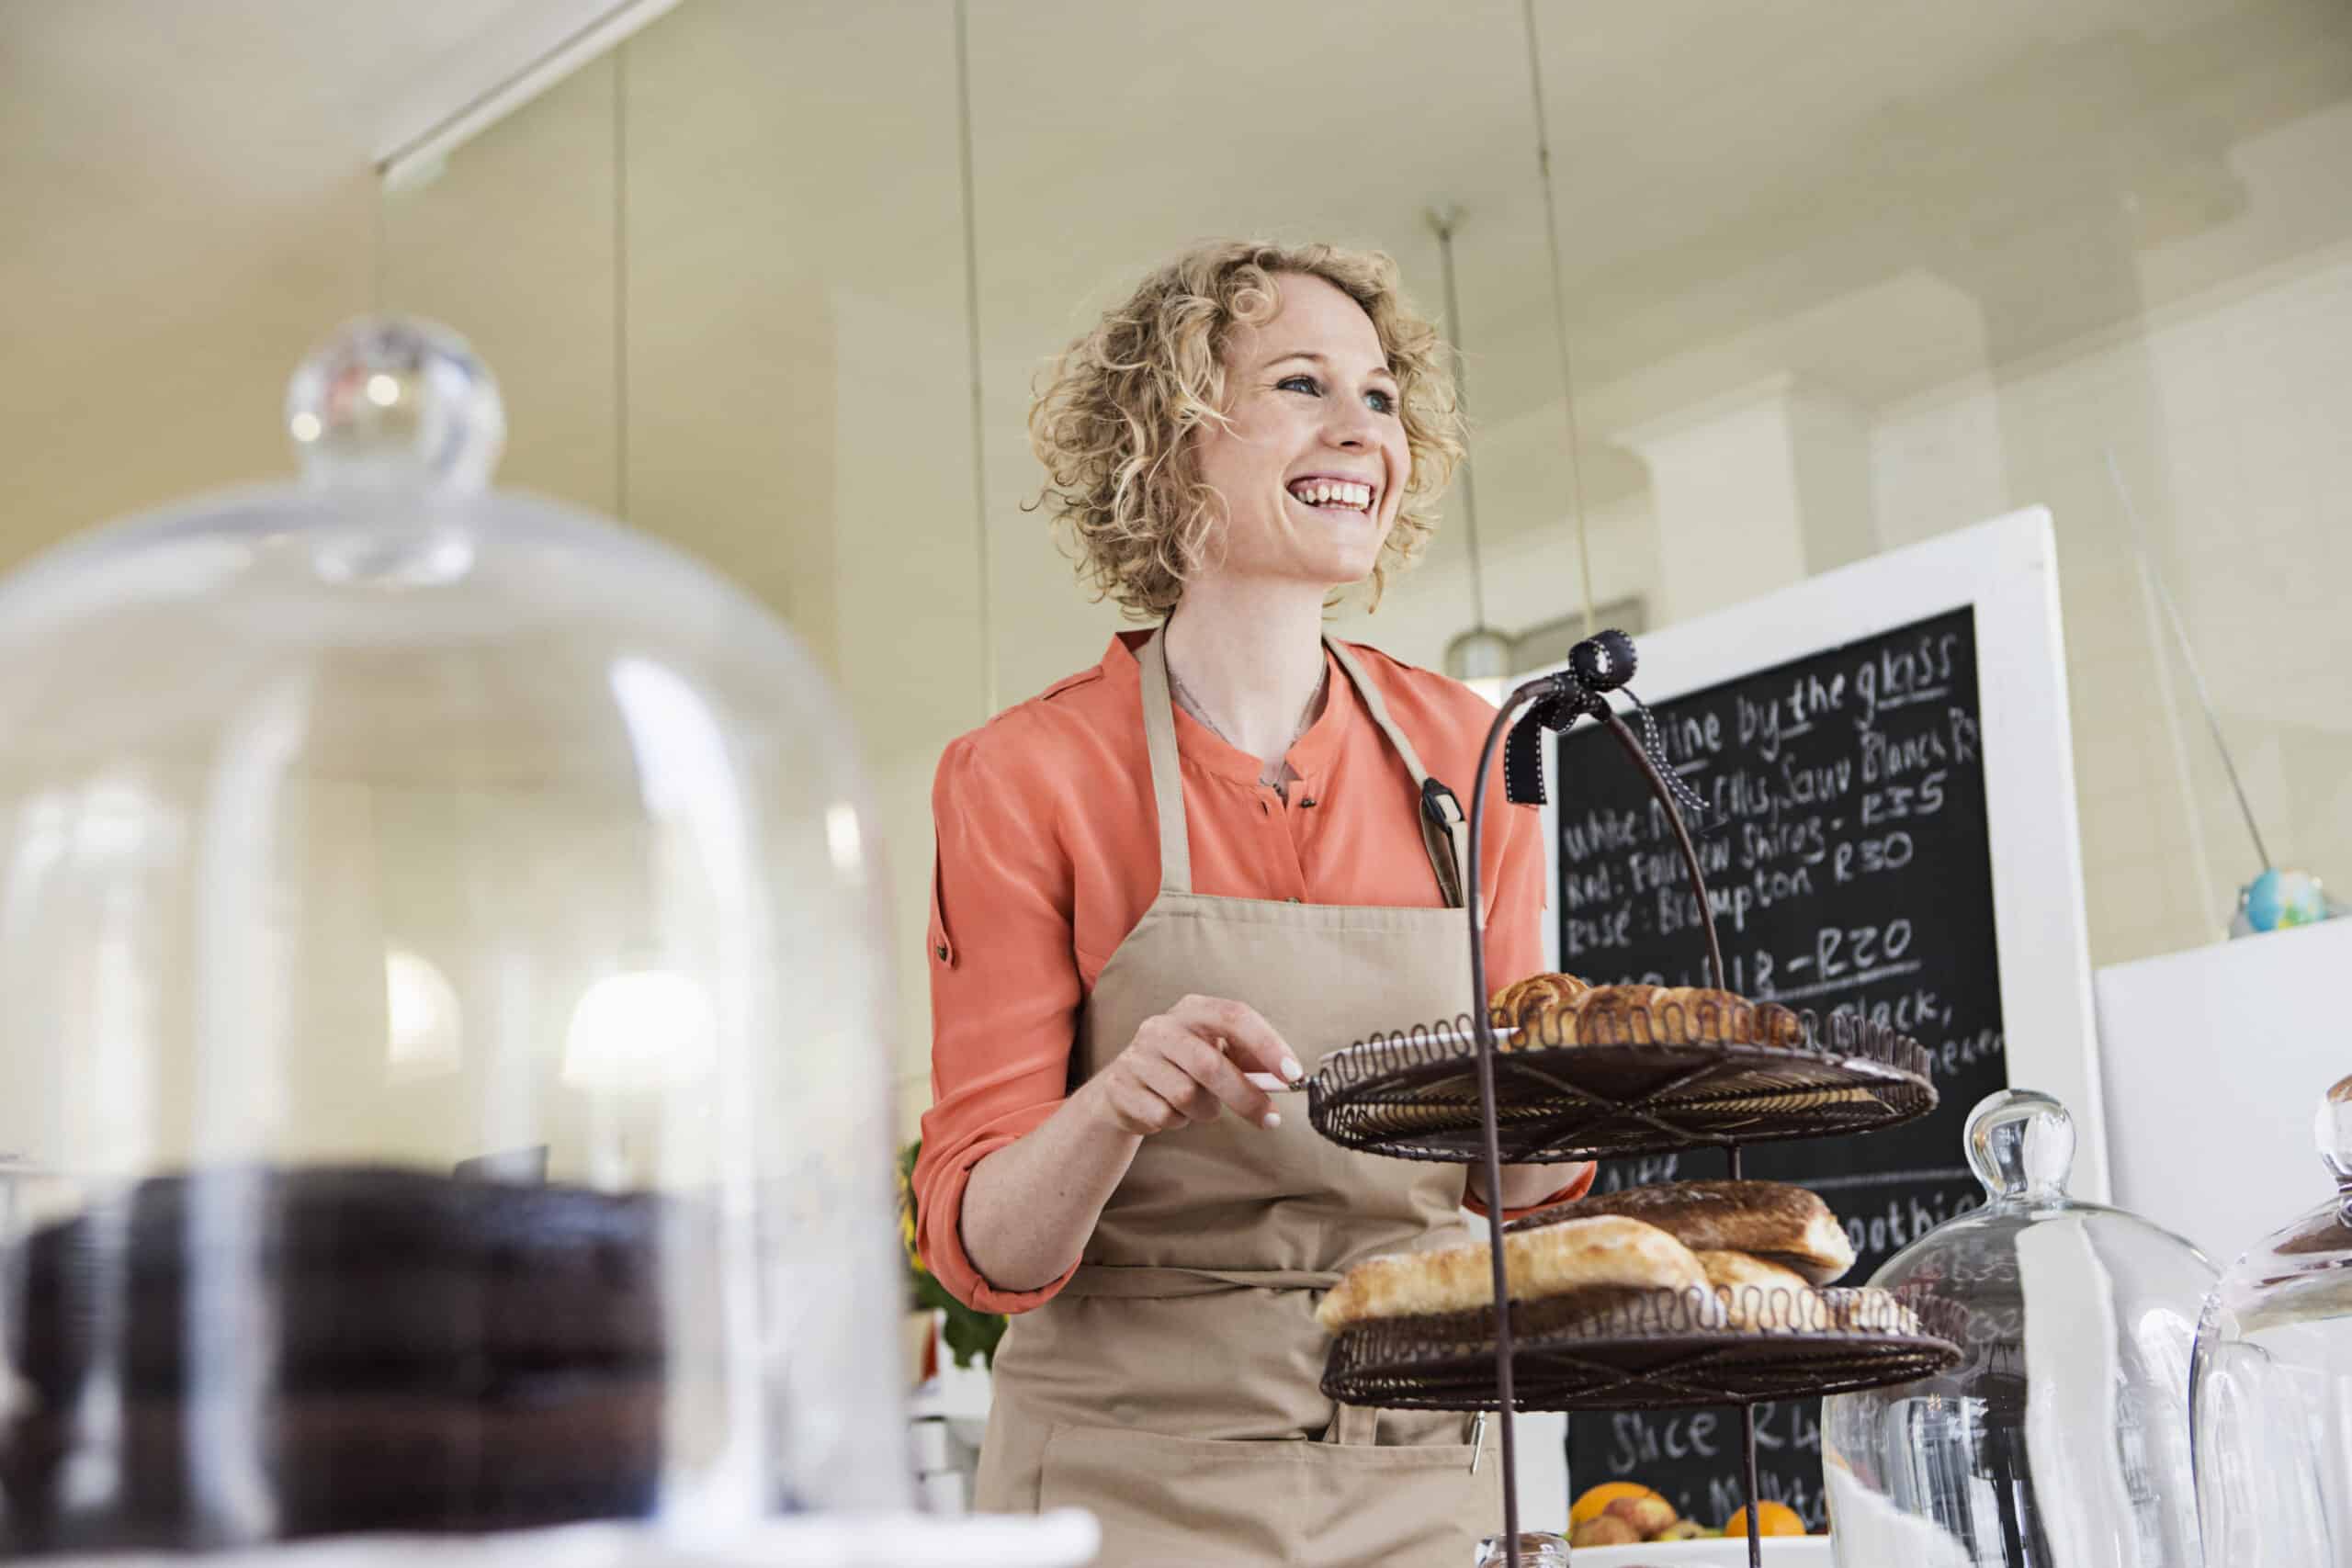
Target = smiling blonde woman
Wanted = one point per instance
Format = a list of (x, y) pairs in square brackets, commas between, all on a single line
[(1124, 402), (1227, 849)]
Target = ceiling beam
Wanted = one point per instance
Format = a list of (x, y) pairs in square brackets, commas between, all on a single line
[(520, 52)]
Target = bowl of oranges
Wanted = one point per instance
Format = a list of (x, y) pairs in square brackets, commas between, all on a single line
[(1622, 1524)]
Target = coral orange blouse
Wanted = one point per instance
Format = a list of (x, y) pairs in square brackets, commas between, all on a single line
[(1048, 854)]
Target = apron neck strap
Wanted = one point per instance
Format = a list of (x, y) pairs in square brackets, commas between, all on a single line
[(1444, 840), (1166, 781), (1378, 706), (1445, 832)]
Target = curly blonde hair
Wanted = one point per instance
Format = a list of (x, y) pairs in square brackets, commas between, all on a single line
[(1115, 422)]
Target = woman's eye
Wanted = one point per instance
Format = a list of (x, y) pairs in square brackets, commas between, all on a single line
[(1379, 401)]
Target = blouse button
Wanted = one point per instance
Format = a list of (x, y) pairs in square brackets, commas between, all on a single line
[(1293, 901), (940, 952)]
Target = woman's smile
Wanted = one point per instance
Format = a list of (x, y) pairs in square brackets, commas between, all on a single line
[(1338, 496)]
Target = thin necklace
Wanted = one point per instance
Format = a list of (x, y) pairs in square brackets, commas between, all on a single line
[(1193, 705)]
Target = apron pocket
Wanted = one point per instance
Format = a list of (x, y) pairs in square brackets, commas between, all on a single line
[(1165, 1500)]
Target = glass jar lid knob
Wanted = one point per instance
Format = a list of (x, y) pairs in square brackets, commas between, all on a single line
[(2021, 1145), (394, 402), (2333, 1132)]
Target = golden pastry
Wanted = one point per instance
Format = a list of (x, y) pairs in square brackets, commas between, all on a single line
[(1619, 1015), (1607, 1254), (1777, 1025), (1769, 1220), (1755, 1293), (1870, 1310), (1541, 1007), (1608, 1530), (1692, 1015)]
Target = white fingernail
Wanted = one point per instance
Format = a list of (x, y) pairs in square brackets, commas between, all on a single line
[(1291, 1070), (1273, 1120)]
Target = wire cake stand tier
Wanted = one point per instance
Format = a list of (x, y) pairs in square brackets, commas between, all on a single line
[(1413, 1095), (1655, 1350)]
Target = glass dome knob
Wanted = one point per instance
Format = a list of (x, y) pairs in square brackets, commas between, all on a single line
[(2021, 1145), (393, 402), (2333, 1132)]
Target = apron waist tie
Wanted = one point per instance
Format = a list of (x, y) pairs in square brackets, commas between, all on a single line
[(1133, 1281)]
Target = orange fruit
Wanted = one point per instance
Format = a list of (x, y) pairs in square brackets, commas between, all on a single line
[(1771, 1518), (1596, 1501)]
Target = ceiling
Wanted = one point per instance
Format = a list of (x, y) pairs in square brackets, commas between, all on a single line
[(1719, 171), (1741, 190)]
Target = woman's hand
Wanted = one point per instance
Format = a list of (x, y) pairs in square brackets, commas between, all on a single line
[(1030, 1205), (1187, 1066)]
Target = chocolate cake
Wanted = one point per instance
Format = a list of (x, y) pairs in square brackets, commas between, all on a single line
[(450, 1355)]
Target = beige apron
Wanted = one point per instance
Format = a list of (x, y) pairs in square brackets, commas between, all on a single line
[(1171, 1386)]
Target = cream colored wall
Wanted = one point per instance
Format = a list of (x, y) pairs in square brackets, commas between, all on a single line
[(2226, 419), (2226, 411), (796, 418), (147, 322)]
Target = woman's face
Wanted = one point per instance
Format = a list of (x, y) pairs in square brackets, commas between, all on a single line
[(1313, 464)]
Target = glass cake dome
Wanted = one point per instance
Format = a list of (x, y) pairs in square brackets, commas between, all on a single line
[(2272, 1390), (446, 978), (2061, 1439)]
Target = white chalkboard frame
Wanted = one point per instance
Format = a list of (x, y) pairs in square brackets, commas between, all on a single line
[(2006, 570)]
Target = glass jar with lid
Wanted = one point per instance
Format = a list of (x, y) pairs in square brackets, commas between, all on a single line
[(2271, 1393), (1537, 1548), (2061, 1439), (446, 979)]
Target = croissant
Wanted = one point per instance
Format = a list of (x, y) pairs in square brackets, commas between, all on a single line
[(1700, 1015), (1541, 1007), (1561, 1009), (1621, 1015)]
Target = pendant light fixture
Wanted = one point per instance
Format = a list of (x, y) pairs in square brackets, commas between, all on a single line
[(972, 353), (1480, 658), (1559, 315)]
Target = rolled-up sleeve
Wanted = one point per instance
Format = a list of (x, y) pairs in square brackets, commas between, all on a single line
[(1005, 1000)]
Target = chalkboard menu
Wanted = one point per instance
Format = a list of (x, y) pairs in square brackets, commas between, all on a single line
[(1848, 862)]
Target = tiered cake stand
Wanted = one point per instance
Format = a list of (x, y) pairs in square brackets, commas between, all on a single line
[(1464, 1089)]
